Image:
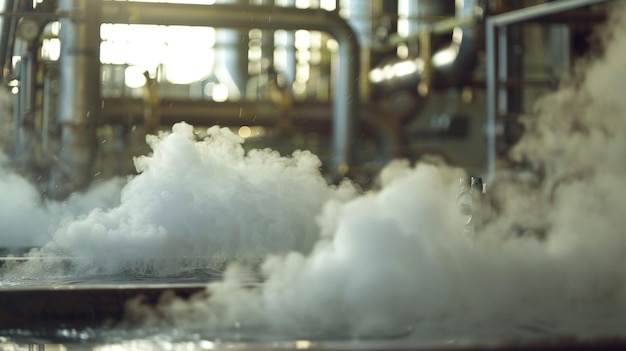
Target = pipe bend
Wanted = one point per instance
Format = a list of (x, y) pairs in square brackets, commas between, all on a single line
[(346, 89), (451, 65)]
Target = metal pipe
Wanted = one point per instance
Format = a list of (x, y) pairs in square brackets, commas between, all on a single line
[(79, 96), (7, 36), (490, 76), (359, 16), (198, 112), (288, 67), (541, 10), (506, 19), (231, 57), (229, 113), (346, 91), (451, 65)]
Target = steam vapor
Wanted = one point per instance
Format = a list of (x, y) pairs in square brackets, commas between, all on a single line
[(549, 260), (27, 220)]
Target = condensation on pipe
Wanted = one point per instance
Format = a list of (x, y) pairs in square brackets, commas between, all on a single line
[(346, 91)]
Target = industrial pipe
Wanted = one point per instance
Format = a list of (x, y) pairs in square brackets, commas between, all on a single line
[(79, 94), (310, 115), (502, 20), (450, 65), (8, 25), (346, 94)]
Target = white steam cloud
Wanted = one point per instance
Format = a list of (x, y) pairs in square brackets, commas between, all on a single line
[(385, 263), (27, 220), (197, 204), (549, 262)]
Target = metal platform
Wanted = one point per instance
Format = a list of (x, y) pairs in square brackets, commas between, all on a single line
[(78, 305), (65, 300)]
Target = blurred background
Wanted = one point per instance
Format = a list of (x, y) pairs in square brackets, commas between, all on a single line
[(356, 82)]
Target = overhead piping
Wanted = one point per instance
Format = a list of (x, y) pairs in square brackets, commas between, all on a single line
[(346, 94)]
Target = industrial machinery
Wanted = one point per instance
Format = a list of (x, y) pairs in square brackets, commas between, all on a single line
[(297, 76), (358, 83)]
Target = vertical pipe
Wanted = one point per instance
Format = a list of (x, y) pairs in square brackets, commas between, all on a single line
[(232, 57), (79, 87), (289, 70), (346, 104), (28, 83), (23, 117), (502, 100), (267, 43), (515, 68), (360, 17), (289, 59), (8, 27), (490, 130)]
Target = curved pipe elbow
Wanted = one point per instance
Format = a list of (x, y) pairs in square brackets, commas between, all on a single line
[(451, 66)]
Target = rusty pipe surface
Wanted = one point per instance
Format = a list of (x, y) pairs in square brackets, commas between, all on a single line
[(346, 89)]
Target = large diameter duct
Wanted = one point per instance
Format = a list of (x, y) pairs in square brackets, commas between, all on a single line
[(79, 94), (346, 92), (451, 65)]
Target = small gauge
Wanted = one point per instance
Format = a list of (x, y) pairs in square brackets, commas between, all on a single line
[(28, 29)]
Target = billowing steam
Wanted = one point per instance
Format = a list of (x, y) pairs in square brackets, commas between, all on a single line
[(202, 203), (27, 220), (549, 260)]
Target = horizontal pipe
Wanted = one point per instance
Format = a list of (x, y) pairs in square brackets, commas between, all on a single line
[(207, 113), (346, 91), (541, 10)]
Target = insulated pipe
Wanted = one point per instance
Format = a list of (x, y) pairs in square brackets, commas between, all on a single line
[(346, 94), (450, 65), (79, 94)]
